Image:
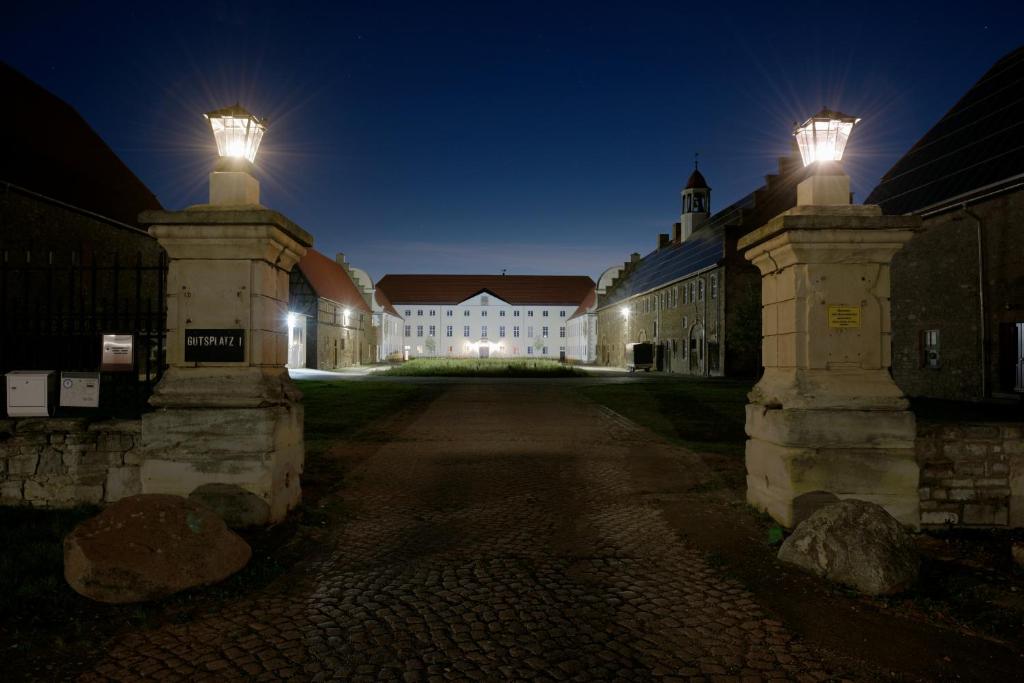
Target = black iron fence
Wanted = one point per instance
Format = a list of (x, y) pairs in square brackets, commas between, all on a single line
[(56, 307)]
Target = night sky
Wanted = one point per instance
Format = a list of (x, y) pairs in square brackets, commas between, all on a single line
[(548, 137)]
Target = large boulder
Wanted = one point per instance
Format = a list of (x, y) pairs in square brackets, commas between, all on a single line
[(149, 546), (855, 543)]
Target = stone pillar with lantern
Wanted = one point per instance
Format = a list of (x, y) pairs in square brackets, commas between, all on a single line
[(826, 420), (228, 421)]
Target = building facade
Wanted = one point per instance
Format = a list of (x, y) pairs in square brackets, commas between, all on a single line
[(958, 285), (329, 320), (388, 326), (695, 297), (486, 316)]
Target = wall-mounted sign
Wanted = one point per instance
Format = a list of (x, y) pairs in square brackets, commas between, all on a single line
[(80, 389), (117, 353), (841, 317), (215, 346)]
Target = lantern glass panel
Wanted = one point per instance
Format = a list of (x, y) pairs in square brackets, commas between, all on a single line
[(237, 136), (824, 138)]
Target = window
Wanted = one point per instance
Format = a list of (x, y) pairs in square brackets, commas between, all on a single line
[(529, 331), (561, 314), (407, 313), (419, 330), (484, 300), (433, 331), (419, 311), (433, 312), (544, 331), (515, 331), (501, 313), (544, 350), (529, 314), (501, 331), (515, 314), (465, 331), (465, 313), (449, 312), (930, 357), (545, 314), (483, 314), (561, 332), (408, 330), (655, 335), (483, 332), (448, 331), (714, 286), (529, 350), (689, 292), (700, 289)]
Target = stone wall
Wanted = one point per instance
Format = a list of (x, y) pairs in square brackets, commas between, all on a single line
[(65, 462), (971, 474)]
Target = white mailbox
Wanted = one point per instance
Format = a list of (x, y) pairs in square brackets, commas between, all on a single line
[(30, 393), (80, 389)]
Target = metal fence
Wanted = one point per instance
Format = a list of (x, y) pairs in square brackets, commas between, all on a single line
[(56, 306)]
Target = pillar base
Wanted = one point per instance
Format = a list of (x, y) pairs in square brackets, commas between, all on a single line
[(800, 460)]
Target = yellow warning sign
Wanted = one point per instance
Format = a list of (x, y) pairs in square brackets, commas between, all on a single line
[(840, 317)]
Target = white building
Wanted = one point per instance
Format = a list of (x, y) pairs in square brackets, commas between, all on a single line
[(581, 329), (482, 316), (388, 325)]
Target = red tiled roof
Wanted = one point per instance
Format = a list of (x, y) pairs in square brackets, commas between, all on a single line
[(385, 302), (518, 290), (585, 305), (330, 280)]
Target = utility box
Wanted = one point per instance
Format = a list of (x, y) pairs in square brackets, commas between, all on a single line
[(30, 393), (80, 389)]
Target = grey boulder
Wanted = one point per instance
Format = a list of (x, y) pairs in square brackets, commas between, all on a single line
[(150, 546), (855, 543)]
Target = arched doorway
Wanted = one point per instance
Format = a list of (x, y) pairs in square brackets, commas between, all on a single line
[(695, 349)]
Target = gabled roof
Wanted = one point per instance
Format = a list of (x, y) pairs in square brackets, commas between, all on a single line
[(330, 280), (517, 290), (48, 148), (585, 305), (382, 300), (978, 143), (696, 181)]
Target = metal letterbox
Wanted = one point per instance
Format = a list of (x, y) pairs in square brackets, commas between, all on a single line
[(80, 389), (30, 393)]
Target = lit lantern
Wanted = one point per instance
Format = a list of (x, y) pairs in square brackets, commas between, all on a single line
[(237, 132), (823, 136)]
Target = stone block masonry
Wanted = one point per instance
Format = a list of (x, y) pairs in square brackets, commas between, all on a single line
[(66, 462), (972, 474)]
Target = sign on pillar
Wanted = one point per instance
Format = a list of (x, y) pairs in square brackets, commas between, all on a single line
[(826, 420), (227, 414)]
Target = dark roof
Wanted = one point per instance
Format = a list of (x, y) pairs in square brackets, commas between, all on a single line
[(978, 143), (385, 303), (541, 290), (585, 305), (48, 148), (330, 280), (696, 181)]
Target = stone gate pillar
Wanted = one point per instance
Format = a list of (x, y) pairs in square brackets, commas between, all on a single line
[(827, 419), (226, 411)]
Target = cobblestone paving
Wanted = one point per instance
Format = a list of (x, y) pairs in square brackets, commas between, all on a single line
[(500, 536)]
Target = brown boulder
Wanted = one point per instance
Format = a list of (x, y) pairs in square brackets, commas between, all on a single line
[(149, 546)]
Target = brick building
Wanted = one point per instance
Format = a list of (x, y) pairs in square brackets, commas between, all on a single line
[(695, 297), (329, 315), (958, 286)]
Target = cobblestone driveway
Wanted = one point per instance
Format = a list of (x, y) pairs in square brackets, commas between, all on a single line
[(501, 535)]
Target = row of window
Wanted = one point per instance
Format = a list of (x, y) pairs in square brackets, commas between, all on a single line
[(687, 293), (449, 331), (483, 313)]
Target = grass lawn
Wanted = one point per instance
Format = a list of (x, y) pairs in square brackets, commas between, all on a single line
[(700, 414), (483, 367)]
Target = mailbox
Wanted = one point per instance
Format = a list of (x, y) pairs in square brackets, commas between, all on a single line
[(80, 389), (30, 393)]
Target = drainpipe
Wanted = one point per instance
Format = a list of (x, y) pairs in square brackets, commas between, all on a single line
[(981, 299)]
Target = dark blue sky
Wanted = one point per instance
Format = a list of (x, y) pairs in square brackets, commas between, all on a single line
[(547, 137)]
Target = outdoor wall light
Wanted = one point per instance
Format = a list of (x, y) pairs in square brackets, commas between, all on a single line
[(823, 137), (237, 132), (625, 311), (292, 319)]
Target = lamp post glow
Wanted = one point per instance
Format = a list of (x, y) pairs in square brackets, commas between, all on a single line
[(823, 137), (237, 132)]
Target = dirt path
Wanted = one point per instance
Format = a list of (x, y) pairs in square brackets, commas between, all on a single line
[(507, 532)]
